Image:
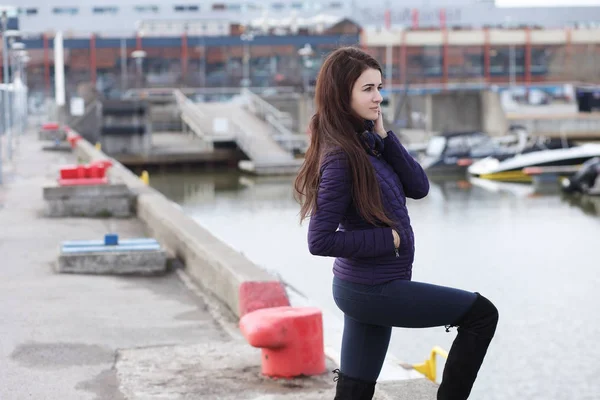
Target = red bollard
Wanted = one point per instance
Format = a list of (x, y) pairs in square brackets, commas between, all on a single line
[(73, 138), (290, 339), (256, 295), (51, 126)]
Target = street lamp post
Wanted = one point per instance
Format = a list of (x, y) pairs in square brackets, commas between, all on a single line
[(306, 52), (139, 56), (9, 37), (22, 66), (4, 19), (17, 52), (246, 38)]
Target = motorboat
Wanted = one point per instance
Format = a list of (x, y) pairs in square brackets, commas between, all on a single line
[(585, 180), (512, 169), (450, 153)]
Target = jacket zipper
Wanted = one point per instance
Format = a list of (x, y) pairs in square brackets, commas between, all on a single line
[(396, 251)]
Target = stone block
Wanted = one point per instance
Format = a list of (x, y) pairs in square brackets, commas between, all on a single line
[(52, 134), (94, 201), (135, 256)]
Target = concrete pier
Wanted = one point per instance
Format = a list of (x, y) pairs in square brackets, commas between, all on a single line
[(172, 336)]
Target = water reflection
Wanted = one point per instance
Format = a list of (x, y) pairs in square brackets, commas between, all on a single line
[(532, 252)]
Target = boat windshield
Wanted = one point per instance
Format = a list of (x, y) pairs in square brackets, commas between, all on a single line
[(436, 146)]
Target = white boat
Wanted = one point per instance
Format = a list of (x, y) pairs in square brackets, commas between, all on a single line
[(511, 169)]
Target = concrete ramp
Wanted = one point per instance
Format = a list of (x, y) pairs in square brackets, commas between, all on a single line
[(231, 121)]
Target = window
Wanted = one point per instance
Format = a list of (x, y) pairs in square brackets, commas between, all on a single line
[(335, 5), (105, 10), (188, 7), (65, 10), (277, 6), (297, 6), (31, 11), (234, 7), (219, 7), (146, 9)]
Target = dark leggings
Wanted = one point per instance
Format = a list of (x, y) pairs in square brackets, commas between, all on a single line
[(370, 312)]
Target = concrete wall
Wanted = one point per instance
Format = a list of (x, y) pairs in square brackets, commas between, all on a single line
[(210, 262), (456, 111), (451, 111)]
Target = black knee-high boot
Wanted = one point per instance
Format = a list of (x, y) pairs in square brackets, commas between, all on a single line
[(351, 388), (475, 332)]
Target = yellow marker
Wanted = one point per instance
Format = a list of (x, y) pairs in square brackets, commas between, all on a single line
[(145, 177), (98, 146), (428, 368)]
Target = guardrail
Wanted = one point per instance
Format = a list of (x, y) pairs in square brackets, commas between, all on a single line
[(279, 121), (189, 113), (14, 112), (161, 93)]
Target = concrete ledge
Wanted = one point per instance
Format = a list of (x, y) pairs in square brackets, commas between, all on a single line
[(114, 263), (94, 201), (408, 389)]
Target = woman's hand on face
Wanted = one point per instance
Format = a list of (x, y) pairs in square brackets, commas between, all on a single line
[(379, 129)]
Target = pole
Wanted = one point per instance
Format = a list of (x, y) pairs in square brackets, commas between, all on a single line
[(512, 65), (11, 101), (5, 80), (203, 64), (246, 63), (59, 70), (123, 65)]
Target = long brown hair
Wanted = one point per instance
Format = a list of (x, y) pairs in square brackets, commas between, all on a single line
[(334, 126)]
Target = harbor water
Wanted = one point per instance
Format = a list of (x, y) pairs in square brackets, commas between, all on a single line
[(534, 255)]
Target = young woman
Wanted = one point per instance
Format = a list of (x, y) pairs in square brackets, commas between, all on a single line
[(353, 185)]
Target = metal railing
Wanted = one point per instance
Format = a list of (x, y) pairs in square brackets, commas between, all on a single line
[(13, 120), (280, 122), (189, 113), (165, 93)]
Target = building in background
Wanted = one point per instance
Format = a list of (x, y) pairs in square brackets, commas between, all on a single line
[(215, 44)]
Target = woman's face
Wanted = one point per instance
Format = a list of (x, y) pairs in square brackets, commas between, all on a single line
[(366, 98)]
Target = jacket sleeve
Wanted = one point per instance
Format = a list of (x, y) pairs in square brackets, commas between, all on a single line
[(413, 178), (334, 196)]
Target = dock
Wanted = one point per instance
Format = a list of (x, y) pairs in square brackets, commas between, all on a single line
[(268, 143), (175, 334), (570, 125), (179, 148)]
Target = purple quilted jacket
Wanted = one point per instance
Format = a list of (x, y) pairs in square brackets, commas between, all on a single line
[(366, 253)]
